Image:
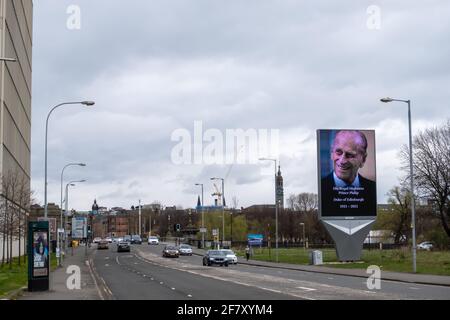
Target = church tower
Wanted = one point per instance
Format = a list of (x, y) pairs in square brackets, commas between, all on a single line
[(280, 190)]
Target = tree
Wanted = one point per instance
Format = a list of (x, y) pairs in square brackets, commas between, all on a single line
[(303, 202), (15, 204), (398, 219), (431, 164)]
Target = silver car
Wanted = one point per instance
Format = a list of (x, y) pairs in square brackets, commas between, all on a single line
[(185, 250), (231, 256)]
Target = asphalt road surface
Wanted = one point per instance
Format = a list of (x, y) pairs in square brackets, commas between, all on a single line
[(143, 274)]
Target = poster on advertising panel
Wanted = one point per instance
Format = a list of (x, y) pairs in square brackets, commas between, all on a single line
[(347, 173), (40, 254)]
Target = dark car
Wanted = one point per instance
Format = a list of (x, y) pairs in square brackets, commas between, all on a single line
[(215, 257), (171, 251), (136, 239), (123, 246)]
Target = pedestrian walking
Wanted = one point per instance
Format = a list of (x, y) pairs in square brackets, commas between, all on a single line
[(247, 252)]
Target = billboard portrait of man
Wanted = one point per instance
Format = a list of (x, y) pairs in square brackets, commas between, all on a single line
[(347, 173)]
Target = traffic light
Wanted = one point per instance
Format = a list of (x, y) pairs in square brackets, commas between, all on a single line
[(177, 227)]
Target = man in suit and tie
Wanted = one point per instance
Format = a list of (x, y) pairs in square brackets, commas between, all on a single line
[(344, 191)]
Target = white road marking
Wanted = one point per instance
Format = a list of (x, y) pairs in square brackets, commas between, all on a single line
[(330, 278), (366, 291), (106, 265), (412, 288), (189, 296), (307, 289), (117, 260), (161, 283), (173, 288)]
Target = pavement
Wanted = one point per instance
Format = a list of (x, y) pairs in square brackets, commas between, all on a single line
[(59, 290), (385, 275)]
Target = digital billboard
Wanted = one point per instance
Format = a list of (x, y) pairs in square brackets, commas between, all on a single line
[(347, 173)]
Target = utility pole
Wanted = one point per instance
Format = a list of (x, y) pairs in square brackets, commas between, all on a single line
[(139, 229)]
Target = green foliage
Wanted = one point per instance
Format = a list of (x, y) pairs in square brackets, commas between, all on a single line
[(439, 238), (434, 262)]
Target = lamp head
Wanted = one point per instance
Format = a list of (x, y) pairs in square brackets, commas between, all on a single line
[(386, 100), (88, 103)]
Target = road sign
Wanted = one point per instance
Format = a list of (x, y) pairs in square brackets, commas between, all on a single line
[(79, 228), (215, 232), (60, 230), (255, 239), (203, 230)]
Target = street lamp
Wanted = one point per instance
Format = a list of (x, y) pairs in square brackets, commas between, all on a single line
[(203, 217), (303, 238), (411, 173), (62, 175), (223, 208), (276, 206), (71, 184), (85, 103)]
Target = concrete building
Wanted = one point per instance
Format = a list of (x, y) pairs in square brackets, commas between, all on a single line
[(15, 86), (16, 39)]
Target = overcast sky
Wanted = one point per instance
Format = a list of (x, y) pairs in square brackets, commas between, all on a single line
[(157, 66)]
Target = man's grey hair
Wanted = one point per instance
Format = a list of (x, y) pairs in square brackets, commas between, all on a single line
[(362, 143)]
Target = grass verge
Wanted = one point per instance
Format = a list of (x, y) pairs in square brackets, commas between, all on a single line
[(428, 262)]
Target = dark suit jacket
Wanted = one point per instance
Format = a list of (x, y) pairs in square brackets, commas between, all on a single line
[(349, 205)]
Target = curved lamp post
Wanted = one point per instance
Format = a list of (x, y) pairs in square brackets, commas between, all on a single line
[(85, 103), (411, 173)]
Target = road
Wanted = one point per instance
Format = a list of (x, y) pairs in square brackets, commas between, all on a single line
[(143, 274)]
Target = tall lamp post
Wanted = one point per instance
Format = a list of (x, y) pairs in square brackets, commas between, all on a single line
[(62, 179), (85, 103), (71, 184), (411, 173), (203, 217), (223, 208), (276, 206)]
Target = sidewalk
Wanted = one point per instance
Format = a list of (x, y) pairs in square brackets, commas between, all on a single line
[(58, 278), (386, 275)]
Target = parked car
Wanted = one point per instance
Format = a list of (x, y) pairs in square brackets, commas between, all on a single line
[(427, 245), (97, 240), (171, 251), (123, 246), (153, 240), (109, 239), (231, 256), (185, 250), (215, 257), (102, 244)]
